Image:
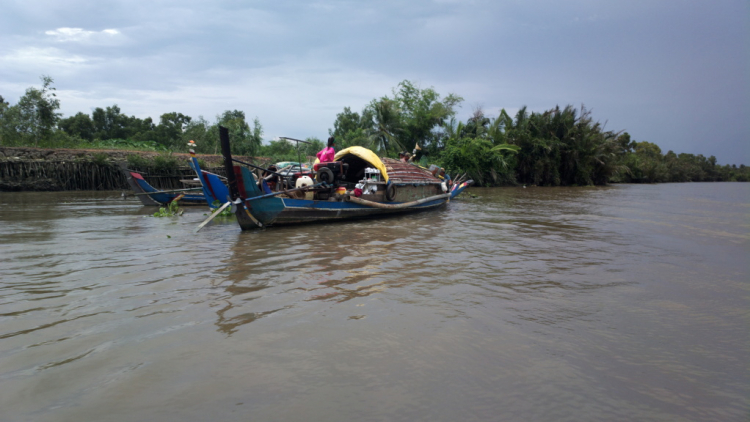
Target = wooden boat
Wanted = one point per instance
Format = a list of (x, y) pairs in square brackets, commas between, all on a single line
[(150, 196), (357, 184), (214, 188)]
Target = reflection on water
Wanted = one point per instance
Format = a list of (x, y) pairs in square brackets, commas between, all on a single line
[(616, 303), (289, 266)]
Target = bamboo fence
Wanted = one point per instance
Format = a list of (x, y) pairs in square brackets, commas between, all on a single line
[(84, 175)]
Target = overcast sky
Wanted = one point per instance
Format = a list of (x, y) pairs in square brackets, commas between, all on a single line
[(672, 72)]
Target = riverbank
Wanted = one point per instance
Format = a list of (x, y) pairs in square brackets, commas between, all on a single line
[(43, 169), (61, 169)]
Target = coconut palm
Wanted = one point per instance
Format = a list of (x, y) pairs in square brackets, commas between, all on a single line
[(386, 126), (539, 155)]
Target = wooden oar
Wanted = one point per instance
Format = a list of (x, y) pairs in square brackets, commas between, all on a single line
[(460, 179), (211, 217), (303, 188), (169, 191)]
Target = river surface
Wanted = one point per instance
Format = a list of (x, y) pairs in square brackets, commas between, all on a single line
[(621, 303)]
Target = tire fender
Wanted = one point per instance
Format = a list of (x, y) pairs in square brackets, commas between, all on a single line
[(390, 192)]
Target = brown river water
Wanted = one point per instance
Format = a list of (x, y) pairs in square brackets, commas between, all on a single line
[(621, 303)]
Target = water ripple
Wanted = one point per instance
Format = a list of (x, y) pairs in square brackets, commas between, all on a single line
[(614, 303)]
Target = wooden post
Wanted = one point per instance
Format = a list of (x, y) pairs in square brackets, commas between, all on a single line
[(226, 152)]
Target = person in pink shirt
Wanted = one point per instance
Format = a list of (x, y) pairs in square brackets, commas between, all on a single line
[(326, 154)]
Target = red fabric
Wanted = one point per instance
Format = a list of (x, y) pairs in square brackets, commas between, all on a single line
[(357, 192), (326, 155), (240, 182)]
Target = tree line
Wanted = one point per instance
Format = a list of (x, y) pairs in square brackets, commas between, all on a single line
[(36, 121), (558, 147)]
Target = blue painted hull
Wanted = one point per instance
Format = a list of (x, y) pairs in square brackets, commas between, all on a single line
[(149, 195), (254, 213), (285, 211), (214, 189)]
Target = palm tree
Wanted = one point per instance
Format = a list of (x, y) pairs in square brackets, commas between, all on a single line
[(386, 125), (539, 154)]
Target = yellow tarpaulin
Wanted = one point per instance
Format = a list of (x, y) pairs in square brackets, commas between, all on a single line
[(364, 154)]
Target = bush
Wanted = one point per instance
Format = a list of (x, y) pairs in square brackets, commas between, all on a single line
[(138, 162), (165, 163), (100, 159)]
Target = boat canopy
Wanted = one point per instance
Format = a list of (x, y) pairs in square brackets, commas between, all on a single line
[(366, 155)]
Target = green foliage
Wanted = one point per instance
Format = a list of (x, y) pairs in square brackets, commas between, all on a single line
[(560, 147), (555, 147), (33, 119), (172, 209), (170, 129), (506, 147), (743, 175), (646, 164), (346, 122), (79, 125), (279, 148), (165, 162), (284, 150), (351, 129), (138, 162), (126, 145), (422, 112), (245, 141), (100, 159), (477, 157), (110, 123), (226, 212), (199, 130), (389, 125)]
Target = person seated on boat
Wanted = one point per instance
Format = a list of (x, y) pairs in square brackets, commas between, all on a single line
[(409, 157), (446, 177), (326, 154), (402, 157), (269, 175)]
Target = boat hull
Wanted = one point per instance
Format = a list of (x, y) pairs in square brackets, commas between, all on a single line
[(287, 211), (150, 196), (215, 191)]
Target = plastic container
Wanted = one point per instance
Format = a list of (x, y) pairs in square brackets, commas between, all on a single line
[(303, 181), (372, 174)]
